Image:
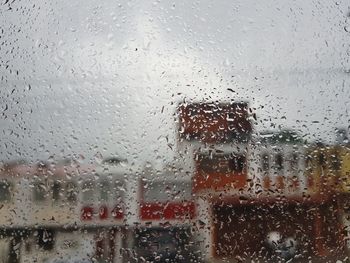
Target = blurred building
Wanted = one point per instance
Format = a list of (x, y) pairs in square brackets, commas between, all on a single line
[(107, 212), (248, 186), (230, 194), (66, 211)]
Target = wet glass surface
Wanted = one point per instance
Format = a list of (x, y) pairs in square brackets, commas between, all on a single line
[(174, 131)]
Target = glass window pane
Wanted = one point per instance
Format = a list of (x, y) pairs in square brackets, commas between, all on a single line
[(174, 131)]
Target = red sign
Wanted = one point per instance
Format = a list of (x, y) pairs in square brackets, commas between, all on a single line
[(167, 211), (87, 212), (167, 200)]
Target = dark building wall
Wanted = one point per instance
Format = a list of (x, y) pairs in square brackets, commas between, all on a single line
[(243, 230)]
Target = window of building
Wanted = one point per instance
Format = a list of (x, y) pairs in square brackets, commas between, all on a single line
[(40, 191), (309, 165), (56, 190), (88, 191), (335, 162), (119, 190), (45, 238), (294, 162), (322, 161), (223, 163), (5, 191), (71, 192), (265, 163), (279, 162), (237, 163), (104, 190)]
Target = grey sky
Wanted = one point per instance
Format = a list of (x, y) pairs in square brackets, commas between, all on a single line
[(85, 77)]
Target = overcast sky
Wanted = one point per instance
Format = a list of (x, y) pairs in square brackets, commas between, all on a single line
[(96, 78)]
